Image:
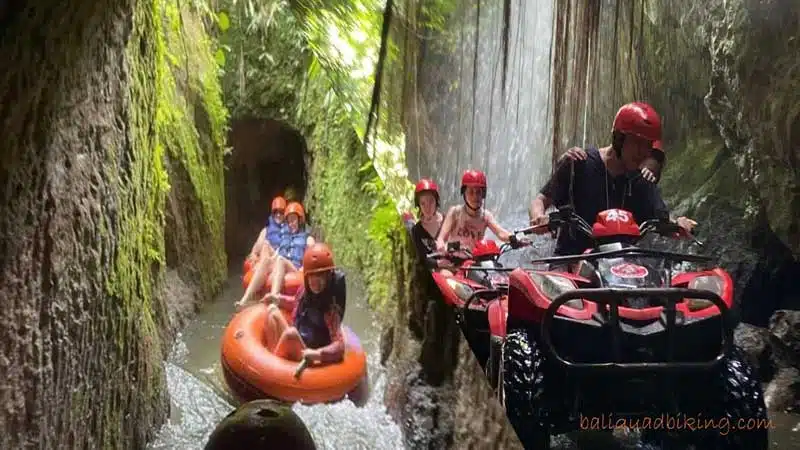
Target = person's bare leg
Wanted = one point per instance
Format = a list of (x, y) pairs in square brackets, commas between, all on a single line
[(290, 345), (267, 250), (281, 267), (263, 267), (275, 327)]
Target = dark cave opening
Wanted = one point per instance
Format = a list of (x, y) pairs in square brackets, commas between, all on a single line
[(269, 158)]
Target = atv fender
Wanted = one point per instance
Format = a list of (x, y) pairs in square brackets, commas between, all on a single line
[(497, 312), (450, 297)]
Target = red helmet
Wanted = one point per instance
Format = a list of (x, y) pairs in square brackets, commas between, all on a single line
[(485, 247), (296, 208), (638, 119), (426, 185), (278, 204), (318, 258), (474, 178)]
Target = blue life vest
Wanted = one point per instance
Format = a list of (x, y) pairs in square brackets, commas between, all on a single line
[(275, 232), (311, 309), (293, 246)]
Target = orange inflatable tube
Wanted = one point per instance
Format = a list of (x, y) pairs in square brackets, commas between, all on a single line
[(253, 372), (292, 282)]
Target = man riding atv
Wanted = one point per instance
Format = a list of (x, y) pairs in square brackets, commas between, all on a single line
[(607, 178), (629, 342)]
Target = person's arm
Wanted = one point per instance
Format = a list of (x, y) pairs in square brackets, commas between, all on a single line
[(447, 225), (496, 228), (333, 352), (574, 154), (556, 190), (538, 206), (310, 241)]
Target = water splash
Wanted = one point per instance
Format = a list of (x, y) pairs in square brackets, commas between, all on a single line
[(465, 117), (199, 399)]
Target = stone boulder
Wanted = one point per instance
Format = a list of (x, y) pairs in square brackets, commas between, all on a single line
[(261, 424)]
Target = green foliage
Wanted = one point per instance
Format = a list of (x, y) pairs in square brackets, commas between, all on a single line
[(311, 64), (265, 58)]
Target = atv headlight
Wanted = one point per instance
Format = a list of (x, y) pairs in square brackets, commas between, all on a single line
[(711, 283), (552, 286), (463, 291)]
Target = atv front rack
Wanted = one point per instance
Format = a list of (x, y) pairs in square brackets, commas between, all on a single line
[(613, 297)]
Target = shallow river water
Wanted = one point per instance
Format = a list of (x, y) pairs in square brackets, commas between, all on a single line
[(199, 399)]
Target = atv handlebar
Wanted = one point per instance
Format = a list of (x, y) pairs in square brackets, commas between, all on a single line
[(566, 216), (459, 255), (666, 227), (451, 253), (613, 297)]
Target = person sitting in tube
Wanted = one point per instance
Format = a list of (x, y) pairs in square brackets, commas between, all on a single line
[(270, 236), (288, 258), (316, 335)]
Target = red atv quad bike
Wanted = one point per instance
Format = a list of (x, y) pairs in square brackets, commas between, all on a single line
[(619, 337), (477, 287)]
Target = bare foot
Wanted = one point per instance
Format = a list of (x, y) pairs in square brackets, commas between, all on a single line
[(271, 298)]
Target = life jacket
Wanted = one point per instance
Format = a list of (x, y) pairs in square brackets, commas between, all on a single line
[(293, 246), (310, 316), (275, 232)]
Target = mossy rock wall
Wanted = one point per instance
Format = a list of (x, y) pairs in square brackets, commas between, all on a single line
[(82, 220), (192, 127)]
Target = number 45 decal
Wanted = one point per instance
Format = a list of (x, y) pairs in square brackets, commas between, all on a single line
[(616, 215)]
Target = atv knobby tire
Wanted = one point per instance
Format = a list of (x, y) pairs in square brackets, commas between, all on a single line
[(739, 401), (742, 401), (523, 386)]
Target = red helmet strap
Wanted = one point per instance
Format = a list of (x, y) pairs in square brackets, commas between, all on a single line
[(466, 203), (617, 142)]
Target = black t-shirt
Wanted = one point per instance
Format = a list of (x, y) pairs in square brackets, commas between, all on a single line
[(595, 190), (423, 242), (311, 310)]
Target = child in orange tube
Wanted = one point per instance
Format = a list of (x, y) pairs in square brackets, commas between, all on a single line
[(316, 335)]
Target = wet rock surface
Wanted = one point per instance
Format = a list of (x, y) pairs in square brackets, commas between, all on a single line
[(436, 390), (776, 359), (261, 424), (85, 228), (785, 325)]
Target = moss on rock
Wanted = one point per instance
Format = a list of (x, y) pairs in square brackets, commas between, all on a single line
[(82, 220), (191, 125)]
